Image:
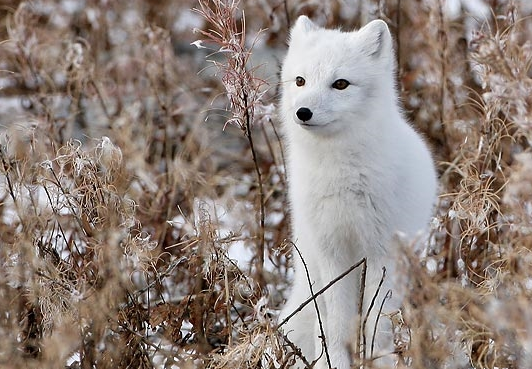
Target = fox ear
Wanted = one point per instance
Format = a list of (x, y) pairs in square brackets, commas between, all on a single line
[(376, 37), (303, 25)]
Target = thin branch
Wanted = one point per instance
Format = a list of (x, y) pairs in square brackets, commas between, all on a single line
[(228, 308), (361, 346), (101, 99), (386, 297), (297, 351), (161, 275), (283, 160), (260, 263), (287, 14), (320, 323), (398, 27), (443, 56), (372, 303), (329, 285)]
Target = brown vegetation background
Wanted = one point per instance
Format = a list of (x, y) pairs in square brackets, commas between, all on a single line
[(143, 220)]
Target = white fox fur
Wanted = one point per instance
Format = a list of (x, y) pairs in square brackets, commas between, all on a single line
[(358, 173)]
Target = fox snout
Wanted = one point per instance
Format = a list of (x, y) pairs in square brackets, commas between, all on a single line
[(304, 114)]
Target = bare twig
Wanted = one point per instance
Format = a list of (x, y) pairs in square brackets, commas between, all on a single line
[(287, 14), (443, 61), (358, 344), (228, 307), (100, 98), (283, 161), (161, 275), (314, 300), (370, 307), (6, 168), (386, 298), (329, 285), (260, 252), (297, 351)]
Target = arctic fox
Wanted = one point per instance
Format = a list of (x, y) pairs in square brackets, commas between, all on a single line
[(358, 173)]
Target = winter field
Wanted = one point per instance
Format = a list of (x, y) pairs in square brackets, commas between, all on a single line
[(143, 218)]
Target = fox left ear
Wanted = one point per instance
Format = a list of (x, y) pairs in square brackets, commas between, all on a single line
[(377, 38), (304, 25), (301, 28)]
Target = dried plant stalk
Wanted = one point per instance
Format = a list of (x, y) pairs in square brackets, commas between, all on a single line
[(243, 89)]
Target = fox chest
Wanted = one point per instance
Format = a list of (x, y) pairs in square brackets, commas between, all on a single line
[(339, 211)]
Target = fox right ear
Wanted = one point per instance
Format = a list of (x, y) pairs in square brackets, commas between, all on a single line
[(303, 25), (376, 36)]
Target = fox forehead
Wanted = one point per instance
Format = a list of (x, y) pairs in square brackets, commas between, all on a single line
[(325, 43), (324, 56)]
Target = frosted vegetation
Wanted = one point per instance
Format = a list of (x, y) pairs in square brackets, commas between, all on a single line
[(143, 219)]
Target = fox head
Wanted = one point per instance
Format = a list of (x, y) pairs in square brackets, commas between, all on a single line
[(332, 78)]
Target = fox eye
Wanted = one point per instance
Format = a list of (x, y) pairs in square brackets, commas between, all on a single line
[(340, 84), (300, 81)]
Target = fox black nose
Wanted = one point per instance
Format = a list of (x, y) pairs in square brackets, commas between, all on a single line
[(304, 114)]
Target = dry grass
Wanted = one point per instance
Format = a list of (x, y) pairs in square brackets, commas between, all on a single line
[(123, 209)]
